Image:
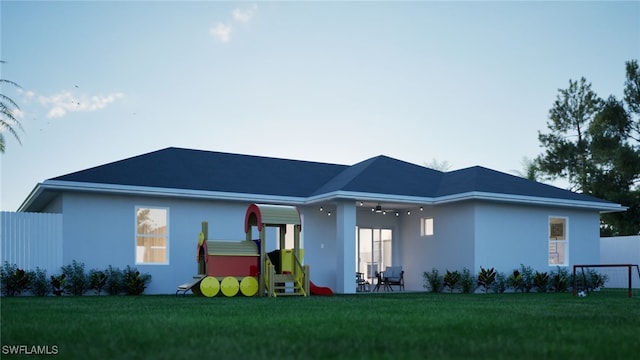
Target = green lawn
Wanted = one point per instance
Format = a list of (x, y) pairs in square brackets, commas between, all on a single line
[(379, 326)]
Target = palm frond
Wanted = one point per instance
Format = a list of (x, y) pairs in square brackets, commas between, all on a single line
[(4, 98), (10, 83), (10, 116), (8, 120)]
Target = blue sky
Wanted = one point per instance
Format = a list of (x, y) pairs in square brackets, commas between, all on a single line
[(470, 83)]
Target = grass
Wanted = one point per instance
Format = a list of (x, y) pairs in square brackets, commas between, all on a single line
[(376, 326)]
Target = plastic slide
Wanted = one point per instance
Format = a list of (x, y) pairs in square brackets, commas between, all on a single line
[(319, 290)]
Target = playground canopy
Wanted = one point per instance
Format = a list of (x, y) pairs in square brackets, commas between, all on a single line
[(264, 214)]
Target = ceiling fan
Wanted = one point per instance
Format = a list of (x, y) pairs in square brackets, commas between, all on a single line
[(379, 210)]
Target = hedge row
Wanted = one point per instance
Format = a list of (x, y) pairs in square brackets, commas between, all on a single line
[(72, 280), (523, 279)]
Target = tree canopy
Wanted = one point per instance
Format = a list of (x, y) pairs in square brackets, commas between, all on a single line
[(595, 144)]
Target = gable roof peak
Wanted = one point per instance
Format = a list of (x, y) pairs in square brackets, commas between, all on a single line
[(384, 175)]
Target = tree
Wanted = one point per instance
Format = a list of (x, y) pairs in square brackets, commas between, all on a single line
[(8, 120), (145, 224), (438, 165), (616, 163), (632, 95), (593, 143), (529, 169), (567, 154)]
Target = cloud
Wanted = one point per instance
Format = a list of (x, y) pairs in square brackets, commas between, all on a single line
[(26, 94), (60, 104), (221, 31), (244, 15)]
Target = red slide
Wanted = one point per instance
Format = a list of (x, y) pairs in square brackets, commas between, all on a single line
[(319, 290)]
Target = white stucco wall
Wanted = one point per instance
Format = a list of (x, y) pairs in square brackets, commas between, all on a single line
[(450, 247), (510, 235), (503, 236), (584, 230), (320, 253), (100, 231)]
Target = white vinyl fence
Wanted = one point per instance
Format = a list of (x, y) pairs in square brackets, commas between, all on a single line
[(620, 250), (31, 240)]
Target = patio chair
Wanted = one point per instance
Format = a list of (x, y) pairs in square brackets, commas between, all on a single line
[(379, 281), (393, 276), (361, 282)]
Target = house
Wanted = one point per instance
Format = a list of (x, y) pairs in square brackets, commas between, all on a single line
[(147, 211)]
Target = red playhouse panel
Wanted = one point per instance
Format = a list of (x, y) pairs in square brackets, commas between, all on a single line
[(225, 265)]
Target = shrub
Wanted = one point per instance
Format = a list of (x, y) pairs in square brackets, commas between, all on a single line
[(97, 280), (58, 284), (40, 286), (597, 280), (77, 281), (591, 280), (14, 280), (451, 280), (541, 281), (527, 278), (521, 280), (560, 279), (114, 285), (467, 281), (433, 281), (514, 280), (134, 282), (499, 286), (486, 277)]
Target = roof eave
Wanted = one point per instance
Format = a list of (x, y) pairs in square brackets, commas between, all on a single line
[(365, 196), (35, 193), (163, 192), (57, 185), (532, 200), (473, 195)]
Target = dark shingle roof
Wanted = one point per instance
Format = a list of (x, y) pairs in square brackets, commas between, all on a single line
[(177, 168), (212, 171), (385, 175), (480, 179)]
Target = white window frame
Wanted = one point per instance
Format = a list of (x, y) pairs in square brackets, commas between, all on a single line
[(137, 235), (427, 226), (553, 241)]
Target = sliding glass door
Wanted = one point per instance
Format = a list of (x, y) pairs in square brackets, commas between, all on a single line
[(373, 250)]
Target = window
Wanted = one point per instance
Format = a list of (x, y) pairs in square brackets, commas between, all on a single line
[(426, 226), (558, 242), (152, 235)]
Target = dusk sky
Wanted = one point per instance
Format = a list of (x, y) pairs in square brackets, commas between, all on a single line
[(470, 83)]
